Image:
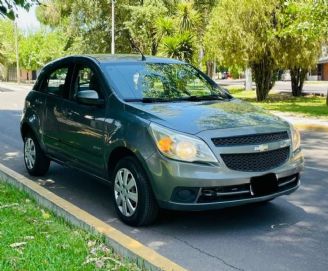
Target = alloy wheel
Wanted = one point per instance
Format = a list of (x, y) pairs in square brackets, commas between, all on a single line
[(126, 192), (29, 153)]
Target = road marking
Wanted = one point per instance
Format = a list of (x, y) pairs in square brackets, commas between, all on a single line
[(317, 168), (121, 243)]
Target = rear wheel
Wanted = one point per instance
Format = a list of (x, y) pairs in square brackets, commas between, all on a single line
[(37, 164), (133, 197)]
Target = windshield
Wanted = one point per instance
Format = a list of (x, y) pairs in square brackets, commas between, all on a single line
[(161, 81)]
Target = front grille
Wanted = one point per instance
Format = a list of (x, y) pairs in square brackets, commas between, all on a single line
[(256, 161), (224, 193), (250, 139), (241, 191)]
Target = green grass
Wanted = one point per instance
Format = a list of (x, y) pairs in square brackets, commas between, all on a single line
[(311, 106), (32, 238)]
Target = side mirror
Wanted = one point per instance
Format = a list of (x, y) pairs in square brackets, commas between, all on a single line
[(89, 97)]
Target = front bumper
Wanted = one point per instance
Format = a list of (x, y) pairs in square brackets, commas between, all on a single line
[(167, 176)]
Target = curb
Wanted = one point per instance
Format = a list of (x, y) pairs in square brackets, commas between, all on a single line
[(121, 243)]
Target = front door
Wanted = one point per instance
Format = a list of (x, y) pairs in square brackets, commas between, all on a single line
[(83, 128)]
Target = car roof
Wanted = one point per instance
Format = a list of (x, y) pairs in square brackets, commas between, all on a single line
[(124, 58), (115, 59)]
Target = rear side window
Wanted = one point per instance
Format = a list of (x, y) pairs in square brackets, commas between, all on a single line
[(55, 83)]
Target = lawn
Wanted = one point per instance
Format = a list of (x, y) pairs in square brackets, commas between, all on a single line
[(311, 106), (32, 238)]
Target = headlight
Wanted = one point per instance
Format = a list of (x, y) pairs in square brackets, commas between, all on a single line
[(296, 137), (179, 146)]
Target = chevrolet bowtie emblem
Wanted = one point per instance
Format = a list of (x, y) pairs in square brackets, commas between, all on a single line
[(261, 148)]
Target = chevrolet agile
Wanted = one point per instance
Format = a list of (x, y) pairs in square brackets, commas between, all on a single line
[(161, 132)]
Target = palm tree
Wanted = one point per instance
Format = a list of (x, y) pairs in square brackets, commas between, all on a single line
[(179, 46), (188, 17)]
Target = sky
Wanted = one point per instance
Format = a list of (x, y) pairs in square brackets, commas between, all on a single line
[(27, 21)]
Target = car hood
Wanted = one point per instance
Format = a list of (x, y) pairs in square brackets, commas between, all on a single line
[(195, 117)]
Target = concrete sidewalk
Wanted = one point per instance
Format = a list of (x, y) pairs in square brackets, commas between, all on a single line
[(11, 86)]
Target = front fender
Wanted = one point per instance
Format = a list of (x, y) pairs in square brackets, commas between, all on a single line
[(128, 131)]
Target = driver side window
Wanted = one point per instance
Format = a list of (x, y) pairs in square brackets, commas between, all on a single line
[(86, 79)]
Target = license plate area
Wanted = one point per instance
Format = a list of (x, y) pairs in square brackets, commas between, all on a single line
[(264, 185)]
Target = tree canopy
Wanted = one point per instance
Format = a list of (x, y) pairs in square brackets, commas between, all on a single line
[(144, 26), (8, 8), (267, 35), (7, 46), (37, 49), (164, 27), (7, 42), (303, 27)]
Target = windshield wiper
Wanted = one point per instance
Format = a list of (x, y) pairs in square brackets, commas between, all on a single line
[(167, 100), (203, 98), (149, 100)]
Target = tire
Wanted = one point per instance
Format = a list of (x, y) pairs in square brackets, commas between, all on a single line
[(133, 197), (36, 162)]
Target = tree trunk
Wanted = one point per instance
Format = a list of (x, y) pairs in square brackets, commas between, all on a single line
[(297, 75), (154, 46), (200, 57), (210, 68), (6, 72), (248, 79), (263, 75)]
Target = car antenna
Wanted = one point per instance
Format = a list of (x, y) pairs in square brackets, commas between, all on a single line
[(143, 58)]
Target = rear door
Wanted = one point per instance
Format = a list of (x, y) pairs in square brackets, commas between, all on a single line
[(83, 125), (55, 85)]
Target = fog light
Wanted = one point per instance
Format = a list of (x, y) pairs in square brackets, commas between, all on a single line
[(184, 194)]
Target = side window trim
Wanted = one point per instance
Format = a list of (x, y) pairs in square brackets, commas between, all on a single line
[(72, 81)]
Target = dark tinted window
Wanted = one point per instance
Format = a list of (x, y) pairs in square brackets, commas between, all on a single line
[(55, 82)]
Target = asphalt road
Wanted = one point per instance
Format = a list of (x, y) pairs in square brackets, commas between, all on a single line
[(319, 87), (290, 233)]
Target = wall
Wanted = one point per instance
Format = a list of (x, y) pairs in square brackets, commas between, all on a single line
[(24, 74)]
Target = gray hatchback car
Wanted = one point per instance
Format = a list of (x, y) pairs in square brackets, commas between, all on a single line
[(161, 132)]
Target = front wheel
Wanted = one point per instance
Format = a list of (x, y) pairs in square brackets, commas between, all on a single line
[(37, 164), (133, 197)]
